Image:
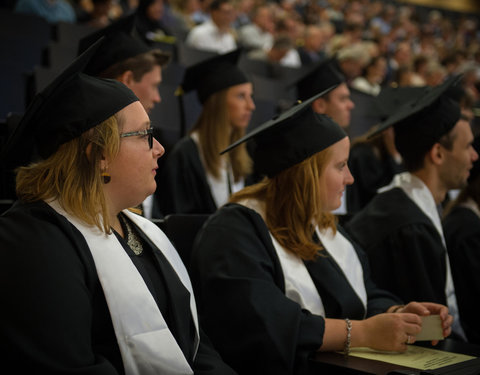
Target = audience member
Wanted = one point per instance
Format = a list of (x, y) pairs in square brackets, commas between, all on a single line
[(372, 77), (195, 177), (97, 289), (99, 15), (149, 23), (313, 47), (215, 34), (400, 228), (182, 12), (53, 11), (260, 32), (272, 270)]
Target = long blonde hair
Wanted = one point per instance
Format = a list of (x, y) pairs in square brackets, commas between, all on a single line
[(72, 177), (215, 134), (294, 200)]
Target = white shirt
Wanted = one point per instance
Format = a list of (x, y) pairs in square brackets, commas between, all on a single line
[(208, 37)]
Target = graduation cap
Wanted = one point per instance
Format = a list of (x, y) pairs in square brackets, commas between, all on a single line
[(425, 118), (389, 99), (70, 105), (319, 78), (291, 137), (120, 44), (214, 74)]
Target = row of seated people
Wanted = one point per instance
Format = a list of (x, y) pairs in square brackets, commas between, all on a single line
[(274, 280), (279, 151)]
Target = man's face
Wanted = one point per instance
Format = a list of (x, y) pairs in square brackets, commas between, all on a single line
[(338, 105), (459, 160), (147, 88)]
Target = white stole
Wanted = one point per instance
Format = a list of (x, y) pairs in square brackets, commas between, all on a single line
[(146, 344), (299, 286), (220, 187), (342, 251)]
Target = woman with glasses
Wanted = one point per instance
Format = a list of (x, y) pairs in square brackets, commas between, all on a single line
[(91, 287), (195, 178)]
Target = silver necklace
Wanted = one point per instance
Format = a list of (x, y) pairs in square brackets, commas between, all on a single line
[(132, 238)]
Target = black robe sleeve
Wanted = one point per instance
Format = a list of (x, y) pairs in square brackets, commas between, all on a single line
[(40, 265), (462, 234), (183, 187), (405, 251), (240, 291)]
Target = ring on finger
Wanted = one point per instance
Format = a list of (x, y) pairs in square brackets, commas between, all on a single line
[(409, 339)]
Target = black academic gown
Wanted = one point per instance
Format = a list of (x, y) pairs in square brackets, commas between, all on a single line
[(183, 187), (406, 253), (370, 173), (240, 291), (56, 319), (462, 235)]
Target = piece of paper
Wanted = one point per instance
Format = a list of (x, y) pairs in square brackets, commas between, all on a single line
[(415, 357), (431, 329)]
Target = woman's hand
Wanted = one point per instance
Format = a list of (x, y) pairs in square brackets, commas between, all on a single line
[(387, 331), (430, 308)]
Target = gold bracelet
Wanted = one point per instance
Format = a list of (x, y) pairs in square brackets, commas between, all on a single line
[(348, 341)]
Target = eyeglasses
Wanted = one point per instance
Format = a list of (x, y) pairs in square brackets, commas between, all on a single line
[(147, 132)]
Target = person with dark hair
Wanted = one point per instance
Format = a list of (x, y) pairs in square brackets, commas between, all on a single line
[(127, 59), (461, 225), (92, 288), (150, 22), (215, 34), (273, 271), (400, 229), (195, 177)]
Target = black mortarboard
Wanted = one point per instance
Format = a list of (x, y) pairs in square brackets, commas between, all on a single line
[(389, 99), (70, 105), (427, 117), (319, 78), (120, 44), (214, 74), (292, 137)]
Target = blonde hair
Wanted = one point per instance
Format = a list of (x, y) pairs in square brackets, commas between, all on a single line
[(73, 176), (215, 134), (295, 200)]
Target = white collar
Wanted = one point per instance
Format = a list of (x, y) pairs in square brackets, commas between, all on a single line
[(147, 345), (420, 194)]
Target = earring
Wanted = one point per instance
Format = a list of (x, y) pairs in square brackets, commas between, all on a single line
[(106, 177)]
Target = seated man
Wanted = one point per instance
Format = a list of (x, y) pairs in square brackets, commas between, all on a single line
[(400, 228)]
